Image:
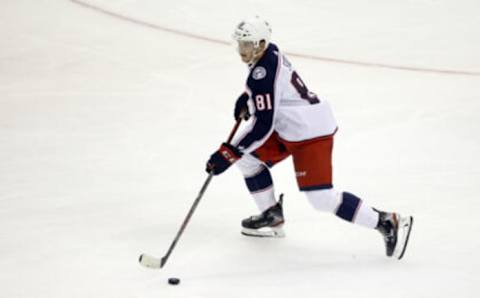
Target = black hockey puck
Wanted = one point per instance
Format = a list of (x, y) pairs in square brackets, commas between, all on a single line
[(174, 281)]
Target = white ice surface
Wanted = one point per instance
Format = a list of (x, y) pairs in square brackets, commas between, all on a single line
[(105, 126)]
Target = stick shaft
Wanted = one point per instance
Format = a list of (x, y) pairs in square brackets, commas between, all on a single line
[(195, 203), (234, 130), (187, 219)]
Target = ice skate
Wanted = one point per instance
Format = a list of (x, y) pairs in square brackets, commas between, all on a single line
[(396, 231), (267, 224)]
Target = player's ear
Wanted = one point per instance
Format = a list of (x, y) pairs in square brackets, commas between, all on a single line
[(263, 44)]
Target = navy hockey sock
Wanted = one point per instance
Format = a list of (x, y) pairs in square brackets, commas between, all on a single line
[(348, 207), (353, 209), (260, 186), (260, 181)]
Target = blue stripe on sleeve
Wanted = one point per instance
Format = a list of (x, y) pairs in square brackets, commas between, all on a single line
[(261, 82)]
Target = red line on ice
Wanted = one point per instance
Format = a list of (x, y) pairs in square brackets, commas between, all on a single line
[(303, 56)]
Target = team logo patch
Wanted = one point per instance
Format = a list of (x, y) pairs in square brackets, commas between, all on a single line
[(259, 73)]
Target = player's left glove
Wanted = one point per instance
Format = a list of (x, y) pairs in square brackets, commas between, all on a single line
[(223, 158), (241, 107)]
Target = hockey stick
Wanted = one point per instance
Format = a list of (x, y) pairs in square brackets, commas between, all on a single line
[(156, 263)]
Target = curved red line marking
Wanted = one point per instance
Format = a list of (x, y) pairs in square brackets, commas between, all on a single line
[(303, 56)]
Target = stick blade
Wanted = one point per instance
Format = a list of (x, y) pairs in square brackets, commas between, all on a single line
[(150, 261)]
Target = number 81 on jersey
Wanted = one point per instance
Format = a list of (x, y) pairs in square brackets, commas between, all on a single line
[(263, 102)]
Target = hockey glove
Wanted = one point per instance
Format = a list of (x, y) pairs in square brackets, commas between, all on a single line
[(223, 158), (241, 106)]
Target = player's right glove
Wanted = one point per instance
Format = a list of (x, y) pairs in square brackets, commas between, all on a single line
[(241, 106), (222, 159)]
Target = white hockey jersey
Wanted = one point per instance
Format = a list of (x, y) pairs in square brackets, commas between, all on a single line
[(281, 102)]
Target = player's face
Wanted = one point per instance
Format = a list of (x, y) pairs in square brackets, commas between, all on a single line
[(246, 49)]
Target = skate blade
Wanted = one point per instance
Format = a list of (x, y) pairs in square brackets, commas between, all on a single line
[(405, 227), (275, 232)]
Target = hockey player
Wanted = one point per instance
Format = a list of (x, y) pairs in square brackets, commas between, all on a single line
[(288, 119)]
